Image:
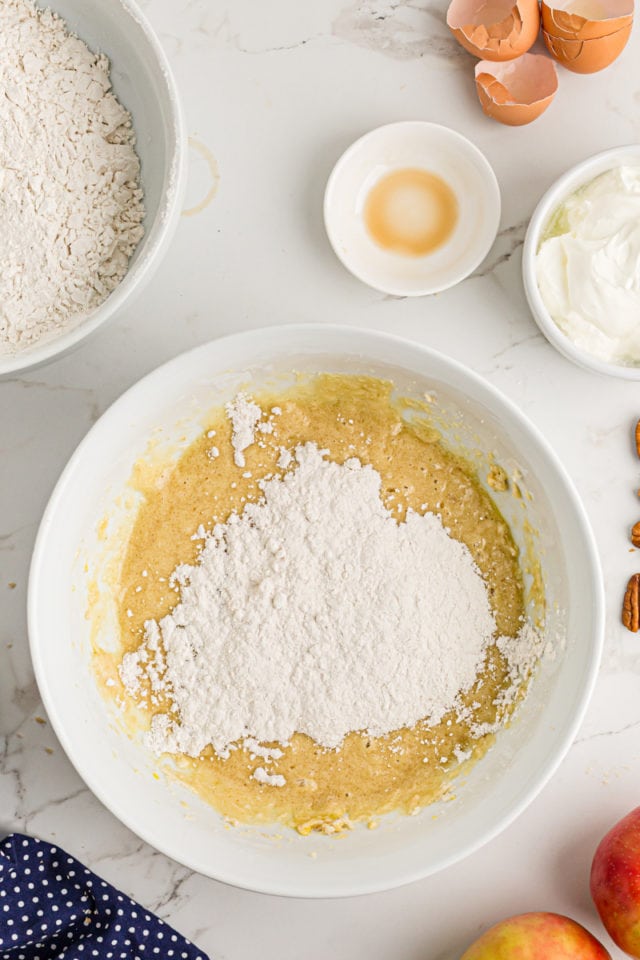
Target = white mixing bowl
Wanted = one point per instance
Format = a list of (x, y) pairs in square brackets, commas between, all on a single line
[(167, 409), (142, 81)]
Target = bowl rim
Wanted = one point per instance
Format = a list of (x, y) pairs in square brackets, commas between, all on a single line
[(492, 192), (576, 176), (55, 346), (368, 884)]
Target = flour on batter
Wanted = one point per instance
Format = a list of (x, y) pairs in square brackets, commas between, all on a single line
[(244, 415), (328, 584), (314, 611)]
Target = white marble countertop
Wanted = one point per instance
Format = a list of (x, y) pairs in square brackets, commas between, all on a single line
[(275, 91)]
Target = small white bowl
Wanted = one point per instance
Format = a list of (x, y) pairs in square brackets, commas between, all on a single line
[(428, 146), (72, 560), (143, 82), (570, 181)]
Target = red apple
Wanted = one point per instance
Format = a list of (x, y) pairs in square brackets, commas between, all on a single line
[(615, 883), (537, 936)]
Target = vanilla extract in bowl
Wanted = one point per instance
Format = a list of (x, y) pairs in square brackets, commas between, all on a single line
[(411, 211)]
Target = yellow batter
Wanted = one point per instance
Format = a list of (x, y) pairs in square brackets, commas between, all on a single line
[(325, 790)]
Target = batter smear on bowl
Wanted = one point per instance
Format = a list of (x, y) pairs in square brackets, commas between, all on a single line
[(322, 610)]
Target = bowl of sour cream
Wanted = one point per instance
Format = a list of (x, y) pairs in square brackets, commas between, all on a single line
[(581, 263)]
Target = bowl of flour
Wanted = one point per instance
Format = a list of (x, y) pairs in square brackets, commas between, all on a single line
[(132, 459), (92, 168)]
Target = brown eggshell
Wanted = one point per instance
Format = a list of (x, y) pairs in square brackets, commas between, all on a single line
[(587, 56), (496, 30), (517, 92), (580, 23)]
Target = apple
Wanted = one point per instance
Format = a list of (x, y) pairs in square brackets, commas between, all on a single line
[(615, 883), (537, 936)]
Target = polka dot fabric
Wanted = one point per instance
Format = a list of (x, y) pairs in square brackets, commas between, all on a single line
[(52, 906)]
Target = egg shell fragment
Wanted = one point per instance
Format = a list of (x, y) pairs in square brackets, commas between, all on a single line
[(516, 92), (496, 30), (587, 56), (580, 22)]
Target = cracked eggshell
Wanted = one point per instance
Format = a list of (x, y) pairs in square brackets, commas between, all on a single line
[(588, 56), (517, 92), (494, 30), (583, 20)]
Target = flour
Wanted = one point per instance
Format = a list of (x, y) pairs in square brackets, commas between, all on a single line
[(257, 750), (70, 201), (315, 611), (285, 458), (244, 415), (246, 421), (269, 779)]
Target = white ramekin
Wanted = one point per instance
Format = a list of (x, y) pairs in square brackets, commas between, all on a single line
[(570, 181), (440, 150)]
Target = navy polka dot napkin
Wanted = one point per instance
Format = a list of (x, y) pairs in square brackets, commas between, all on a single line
[(52, 906)]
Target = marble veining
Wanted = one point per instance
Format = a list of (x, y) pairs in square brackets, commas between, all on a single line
[(400, 30)]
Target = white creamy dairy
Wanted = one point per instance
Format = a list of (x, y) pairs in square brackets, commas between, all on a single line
[(588, 266)]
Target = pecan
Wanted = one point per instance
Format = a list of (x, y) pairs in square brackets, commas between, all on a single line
[(635, 534), (631, 604), (638, 438)]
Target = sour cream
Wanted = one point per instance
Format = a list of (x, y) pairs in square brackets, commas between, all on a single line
[(588, 266)]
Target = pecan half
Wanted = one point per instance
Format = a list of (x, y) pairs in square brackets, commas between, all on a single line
[(631, 604), (635, 534), (638, 438)]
